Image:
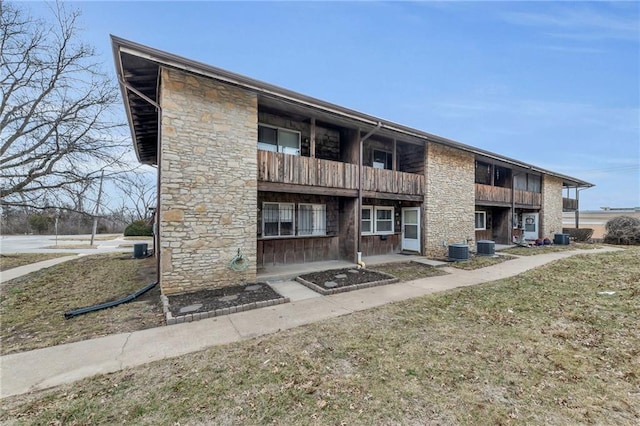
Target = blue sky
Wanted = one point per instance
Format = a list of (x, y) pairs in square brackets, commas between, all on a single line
[(555, 84)]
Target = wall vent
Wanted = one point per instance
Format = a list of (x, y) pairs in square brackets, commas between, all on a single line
[(486, 248), (458, 252)]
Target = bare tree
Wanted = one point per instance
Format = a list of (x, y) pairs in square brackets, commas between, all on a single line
[(58, 129), (139, 195)]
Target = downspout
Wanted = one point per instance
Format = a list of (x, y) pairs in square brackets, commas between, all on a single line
[(156, 242), (513, 204), (359, 220)]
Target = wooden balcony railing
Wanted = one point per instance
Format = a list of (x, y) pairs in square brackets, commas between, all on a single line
[(497, 194), (293, 169), (528, 198), (569, 204), (381, 180)]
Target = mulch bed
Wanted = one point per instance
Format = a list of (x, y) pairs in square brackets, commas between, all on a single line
[(221, 301), (347, 279)]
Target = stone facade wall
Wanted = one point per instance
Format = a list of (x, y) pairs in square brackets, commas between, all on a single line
[(449, 198), (208, 194), (551, 211)]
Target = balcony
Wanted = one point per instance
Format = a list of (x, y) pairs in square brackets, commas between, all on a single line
[(282, 172), (493, 194), (502, 196), (284, 169), (569, 204), (403, 185)]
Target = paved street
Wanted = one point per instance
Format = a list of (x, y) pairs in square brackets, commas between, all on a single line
[(48, 243)]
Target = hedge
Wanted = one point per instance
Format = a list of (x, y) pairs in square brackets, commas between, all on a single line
[(139, 228)]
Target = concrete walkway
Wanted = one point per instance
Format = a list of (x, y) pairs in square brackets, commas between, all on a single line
[(13, 273), (53, 366)]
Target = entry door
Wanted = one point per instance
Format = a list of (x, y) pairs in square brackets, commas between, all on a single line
[(530, 221), (411, 229)]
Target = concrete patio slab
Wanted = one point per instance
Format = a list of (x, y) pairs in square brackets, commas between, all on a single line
[(429, 262), (293, 290)]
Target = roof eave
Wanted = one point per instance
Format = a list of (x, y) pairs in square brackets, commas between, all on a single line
[(196, 67)]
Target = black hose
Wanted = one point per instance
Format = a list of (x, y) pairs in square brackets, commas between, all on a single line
[(129, 298)]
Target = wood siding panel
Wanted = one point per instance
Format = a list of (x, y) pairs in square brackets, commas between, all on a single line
[(283, 251)]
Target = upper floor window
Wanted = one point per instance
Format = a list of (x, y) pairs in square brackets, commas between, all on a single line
[(483, 173), (502, 177), (527, 182), (382, 159), (278, 140)]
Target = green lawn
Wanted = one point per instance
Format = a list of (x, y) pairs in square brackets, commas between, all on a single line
[(544, 347)]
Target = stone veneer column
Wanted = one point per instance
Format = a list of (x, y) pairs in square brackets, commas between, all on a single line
[(449, 198), (208, 190), (551, 209)]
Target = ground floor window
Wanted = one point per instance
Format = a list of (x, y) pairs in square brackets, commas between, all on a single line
[(376, 220), (481, 221), (278, 219), (312, 219)]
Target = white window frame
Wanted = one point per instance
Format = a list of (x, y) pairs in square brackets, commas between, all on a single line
[(278, 148), (315, 208), (374, 220), (384, 208), (292, 207), (370, 220), (484, 220)]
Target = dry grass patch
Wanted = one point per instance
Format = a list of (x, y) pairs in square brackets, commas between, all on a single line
[(540, 348), (10, 261), (534, 250), (408, 271), (477, 262), (32, 307)]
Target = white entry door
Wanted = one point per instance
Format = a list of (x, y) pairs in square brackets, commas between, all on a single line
[(530, 221), (411, 229)]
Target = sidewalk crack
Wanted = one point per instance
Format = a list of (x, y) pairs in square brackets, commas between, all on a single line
[(124, 345)]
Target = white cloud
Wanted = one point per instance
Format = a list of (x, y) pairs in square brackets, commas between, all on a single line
[(582, 23)]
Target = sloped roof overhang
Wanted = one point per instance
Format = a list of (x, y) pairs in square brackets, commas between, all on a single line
[(139, 67)]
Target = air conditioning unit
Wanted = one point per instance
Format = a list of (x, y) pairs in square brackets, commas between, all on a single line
[(486, 248), (458, 252), (561, 239)]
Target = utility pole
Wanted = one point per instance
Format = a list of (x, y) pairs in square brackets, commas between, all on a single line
[(95, 213)]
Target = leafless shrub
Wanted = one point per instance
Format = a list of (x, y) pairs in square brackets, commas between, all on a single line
[(623, 230)]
